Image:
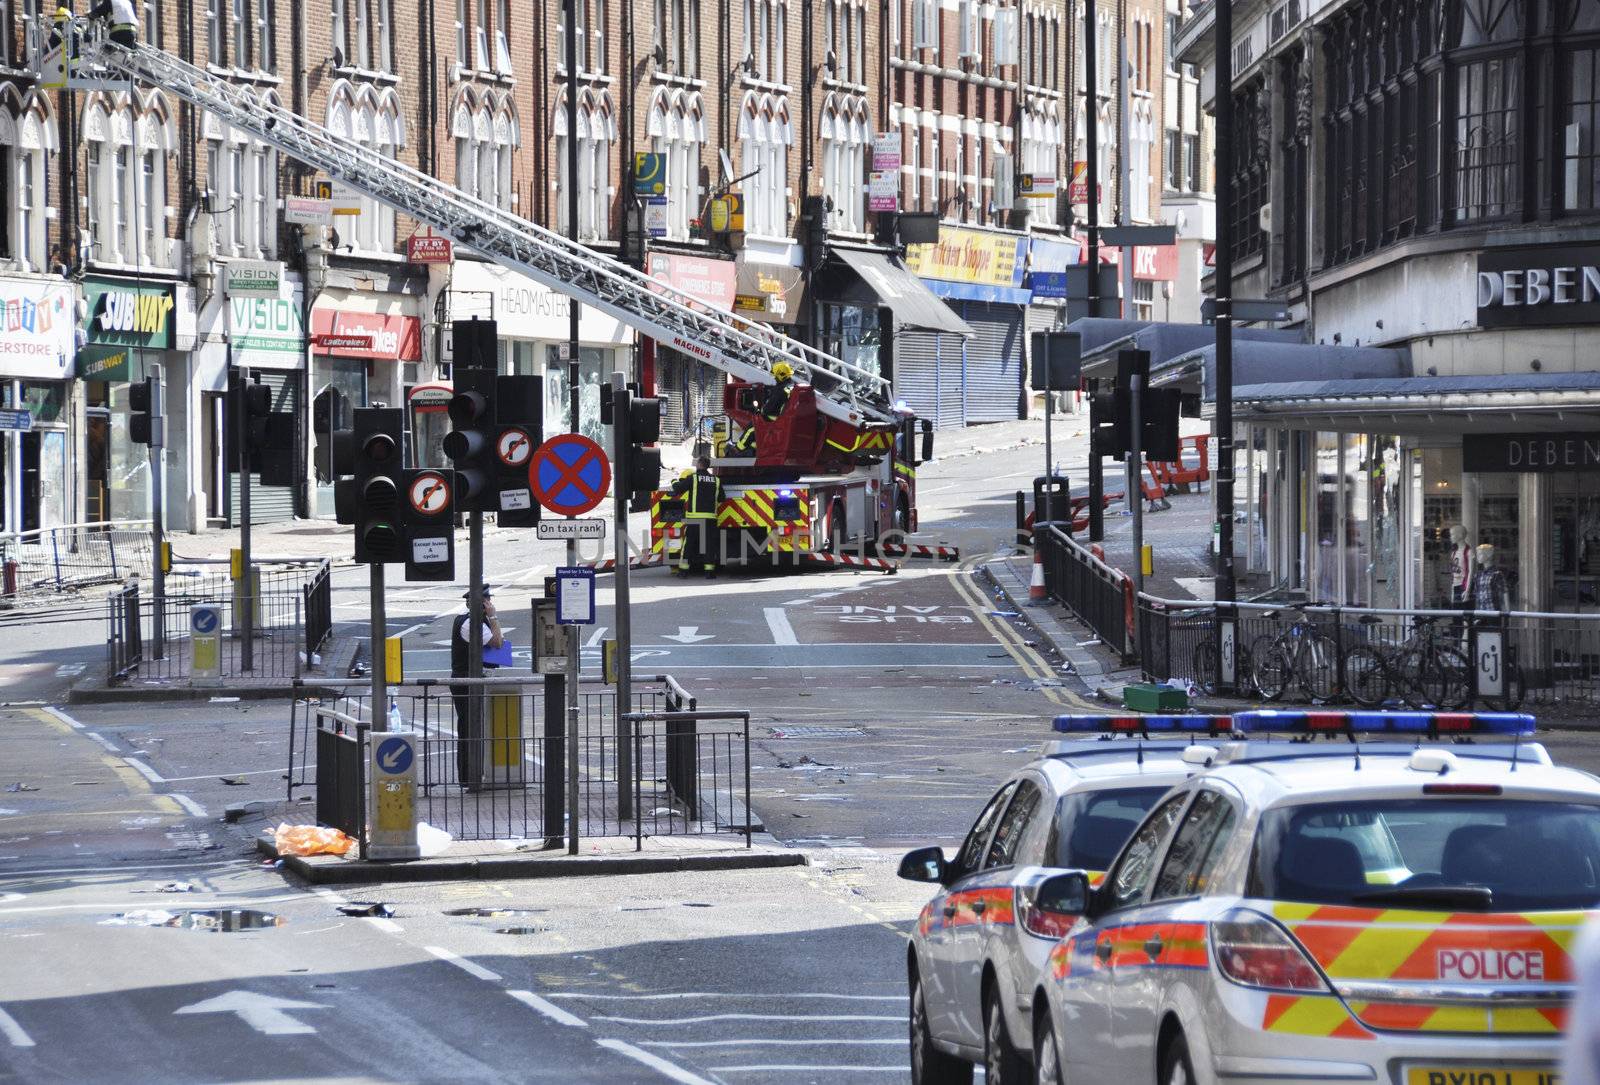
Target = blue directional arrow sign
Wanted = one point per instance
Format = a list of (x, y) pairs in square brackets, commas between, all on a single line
[(395, 755), (204, 620)]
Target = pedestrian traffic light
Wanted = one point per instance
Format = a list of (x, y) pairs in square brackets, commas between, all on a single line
[(373, 496), (142, 419), (430, 551), (519, 430), (640, 475), (470, 444)]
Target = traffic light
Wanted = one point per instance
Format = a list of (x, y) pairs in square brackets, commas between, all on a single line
[(373, 498), (1108, 429), (470, 444), (639, 475), (519, 430), (1158, 418), (142, 420), (430, 552)]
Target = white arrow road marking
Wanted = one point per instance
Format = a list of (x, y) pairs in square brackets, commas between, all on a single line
[(13, 1031), (688, 634), (264, 1013), (778, 622)]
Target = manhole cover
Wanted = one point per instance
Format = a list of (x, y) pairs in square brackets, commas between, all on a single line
[(494, 913), (220, 920), (520, 930), (818, 732)]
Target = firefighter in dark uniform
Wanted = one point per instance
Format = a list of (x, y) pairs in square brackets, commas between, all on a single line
[(702, 493), (773, 400), (124, 20), (460, 665)]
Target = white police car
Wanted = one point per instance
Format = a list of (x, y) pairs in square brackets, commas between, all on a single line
[(976, 953), (1398, 913)]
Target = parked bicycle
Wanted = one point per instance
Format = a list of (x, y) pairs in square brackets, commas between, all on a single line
[(1425, 670), (1302, 653)]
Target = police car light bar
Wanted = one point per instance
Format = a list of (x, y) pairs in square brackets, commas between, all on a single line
[(1078, 725), (1429, 724)]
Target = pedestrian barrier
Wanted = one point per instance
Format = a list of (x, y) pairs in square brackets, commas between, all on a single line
[(1093, 591), (73, 556), (341, 772), (284, 640), (692, 773)]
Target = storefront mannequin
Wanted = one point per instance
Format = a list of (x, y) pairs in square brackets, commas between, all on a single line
[(1461, 564)]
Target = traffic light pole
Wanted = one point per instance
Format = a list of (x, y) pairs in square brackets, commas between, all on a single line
[(380, 658), (247, 605), (1135, 463), (158, 574), (621, 410), (1223, 424), (1097, 476), (574, 315), (475, 746)]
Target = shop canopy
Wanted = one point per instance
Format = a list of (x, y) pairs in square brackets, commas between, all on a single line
[(1166, 341), (873, 279), (1256, 363)]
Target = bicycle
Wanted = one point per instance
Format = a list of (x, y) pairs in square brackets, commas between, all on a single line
[(1424, 670), (1302, 652), (1203, 663)]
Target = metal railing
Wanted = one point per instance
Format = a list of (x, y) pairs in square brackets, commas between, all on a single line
[(1539, 658), (318, 610), (692, 767), (341, 772), (73, 556), (1100, 596), (282, 641)]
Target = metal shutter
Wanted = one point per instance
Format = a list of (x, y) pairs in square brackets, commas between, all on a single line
[(927, 375), (274, 504), (993, 361)]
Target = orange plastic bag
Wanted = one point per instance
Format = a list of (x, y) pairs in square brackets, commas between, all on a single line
[(311, 840)]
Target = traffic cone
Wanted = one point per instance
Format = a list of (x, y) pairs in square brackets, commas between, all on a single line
[(1036, 588)]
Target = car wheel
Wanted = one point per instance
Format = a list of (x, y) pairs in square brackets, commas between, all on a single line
[(1176, 1069), (929, 1065), (1046, 1056), (1003, 1064)]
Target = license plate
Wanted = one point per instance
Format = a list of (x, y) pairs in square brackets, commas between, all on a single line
[(1475, 1075)]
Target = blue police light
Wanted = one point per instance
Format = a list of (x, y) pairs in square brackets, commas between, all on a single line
[(785, 493), (1517, 724), (1079, 725)]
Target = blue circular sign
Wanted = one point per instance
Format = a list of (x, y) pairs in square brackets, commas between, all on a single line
[(204, 619), (394, 755), (569, 474)]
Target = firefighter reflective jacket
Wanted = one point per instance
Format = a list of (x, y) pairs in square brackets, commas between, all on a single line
[(705, 494)]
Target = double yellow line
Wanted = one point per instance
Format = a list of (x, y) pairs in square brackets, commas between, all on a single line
[(1031, 663)]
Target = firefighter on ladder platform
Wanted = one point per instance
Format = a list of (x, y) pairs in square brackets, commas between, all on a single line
[(124, 20), (773, 401), (702, 493)]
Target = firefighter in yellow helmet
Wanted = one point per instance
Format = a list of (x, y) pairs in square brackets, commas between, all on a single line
[(702, 497), (773, 400)]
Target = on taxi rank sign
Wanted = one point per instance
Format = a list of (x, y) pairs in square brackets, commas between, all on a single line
[(205, 641), (393, 833)]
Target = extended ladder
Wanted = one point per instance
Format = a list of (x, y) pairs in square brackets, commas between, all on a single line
[(744, 350)]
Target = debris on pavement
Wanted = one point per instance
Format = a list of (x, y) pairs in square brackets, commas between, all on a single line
[(20, 786), (310, 840), (367, 908), (234, 781)]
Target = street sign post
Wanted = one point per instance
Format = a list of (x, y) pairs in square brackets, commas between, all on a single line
[(393, 820), (569, 474), (17, 420), (205, 643), (574, 595)]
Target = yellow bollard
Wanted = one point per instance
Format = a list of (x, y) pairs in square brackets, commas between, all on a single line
[(394, 660), (1147, 563)]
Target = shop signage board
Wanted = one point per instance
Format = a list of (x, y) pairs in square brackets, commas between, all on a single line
[(428, 249), (886, 152), (1036, 186), (968, 256), (711, 281), (1540, 285), (380, 336), (37, 329), (1530, 453), (267, 332), (307, 211), (1078, 187), (254, 278), (649, 173), (655, 216), (883, 190), (127, 313)]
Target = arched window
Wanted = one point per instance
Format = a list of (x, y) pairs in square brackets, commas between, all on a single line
[(505, 138), (488, 170), (155, 140), (96, 136), (466, 157), (676, 127)]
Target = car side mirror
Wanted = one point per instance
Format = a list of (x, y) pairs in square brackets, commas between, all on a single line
[(924, 865), (1064, 894)]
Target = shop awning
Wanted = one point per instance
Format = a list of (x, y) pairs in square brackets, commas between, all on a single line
[(1256, 362), (876, 279), (1168, 340)]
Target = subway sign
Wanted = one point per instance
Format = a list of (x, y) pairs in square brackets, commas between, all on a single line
[(130, 315)]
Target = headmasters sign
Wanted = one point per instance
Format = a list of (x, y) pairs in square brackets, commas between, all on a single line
[(1541, 285)]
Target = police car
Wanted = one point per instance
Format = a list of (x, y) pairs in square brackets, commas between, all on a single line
[(978, 947), (1399, 912)]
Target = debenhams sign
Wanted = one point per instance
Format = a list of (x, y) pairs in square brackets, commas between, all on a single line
[(1544, 285)]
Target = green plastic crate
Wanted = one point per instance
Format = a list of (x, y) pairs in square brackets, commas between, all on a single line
[(1145, 697)]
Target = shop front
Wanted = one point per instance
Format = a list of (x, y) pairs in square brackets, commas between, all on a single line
[(37, 328), (689, 389), (979, 275), (266, 339), (533, 324), (365, 349), (130, 327)]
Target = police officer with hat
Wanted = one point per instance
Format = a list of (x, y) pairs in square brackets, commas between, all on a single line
[(460, 665)]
